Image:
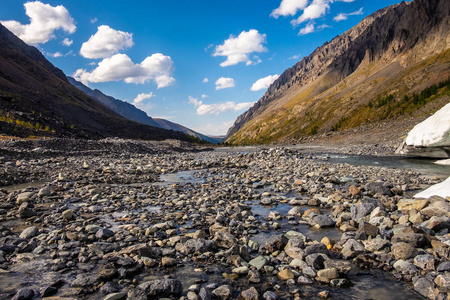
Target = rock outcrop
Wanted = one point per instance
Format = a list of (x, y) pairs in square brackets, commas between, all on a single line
[(398, 50)]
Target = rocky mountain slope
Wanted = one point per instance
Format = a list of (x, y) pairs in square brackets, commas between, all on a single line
[(36, 99), (133, 113), (379, 72)]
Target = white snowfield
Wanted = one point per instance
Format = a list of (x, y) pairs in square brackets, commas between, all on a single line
[(433, 132), (441, 189)]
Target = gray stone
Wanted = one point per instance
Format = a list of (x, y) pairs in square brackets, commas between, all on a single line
[(104, 233), (321, 221), (405, 267), (259, 262), (375, 245), (162, 288), (26, 210), (269, 295), (403, 251), (224, 239), (68, 214), (377, 188), (223, 292), (424, 287), (331, 273), (315, 260), (364, 208), (352, 248), (24, 294), (302, 280), (276, 242), (24, 197), (443, 282), (436, 209), (45, 191), (249, 294), (115, 296), (415, 239), (425, 262), (29, 232)]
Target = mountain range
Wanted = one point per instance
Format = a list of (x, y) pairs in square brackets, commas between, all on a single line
[(133, 113), (36, 99), (379, 78)]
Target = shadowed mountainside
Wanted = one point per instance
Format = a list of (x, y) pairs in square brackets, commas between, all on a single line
[(37, 99), (133, 113)]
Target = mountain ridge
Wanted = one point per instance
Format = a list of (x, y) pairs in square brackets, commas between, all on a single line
[(385, 41), (133, 113), (37, 99)]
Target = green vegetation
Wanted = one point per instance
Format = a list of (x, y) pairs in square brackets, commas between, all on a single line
[(339, 124), (8, 118)]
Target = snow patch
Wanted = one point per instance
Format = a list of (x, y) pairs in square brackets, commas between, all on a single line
[(433, 132), (441, 189), (444, 162)]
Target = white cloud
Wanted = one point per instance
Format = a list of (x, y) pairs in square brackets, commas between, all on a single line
[(295, 57), (56, 54), (67, 42), (156, 67), (289, 7), (323, 26), (224, 82), (106, 42), (205, 80), (237, 49), (204, 96), (264, 83), (203, 109), (94, 20), (317, 9), (308, 29), (141, 97), (343, 16), (44, 20)]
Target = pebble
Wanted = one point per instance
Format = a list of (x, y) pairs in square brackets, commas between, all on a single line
[(104, 217)]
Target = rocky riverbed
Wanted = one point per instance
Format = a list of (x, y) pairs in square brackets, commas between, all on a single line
[(120, 219)]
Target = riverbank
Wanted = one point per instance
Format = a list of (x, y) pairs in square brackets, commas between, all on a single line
[(267, 222)]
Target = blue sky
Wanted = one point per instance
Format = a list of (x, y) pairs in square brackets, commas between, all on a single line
[(198, 63)]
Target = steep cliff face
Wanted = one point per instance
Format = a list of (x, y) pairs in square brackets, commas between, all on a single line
[(389, 47)]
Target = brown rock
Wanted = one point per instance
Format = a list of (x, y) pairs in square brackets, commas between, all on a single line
[(286, 274)]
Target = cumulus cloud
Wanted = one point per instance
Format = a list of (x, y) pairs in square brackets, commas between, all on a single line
[(224, 82), (44, 21), (317, 9), (237, 49), (205, 80), (343, 16), (157, 68), (141, 97), (204, 96), (217, 108), (309, 28), (289, 7), (67, 42), (106, 42), (264, 83), (94, 20)]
